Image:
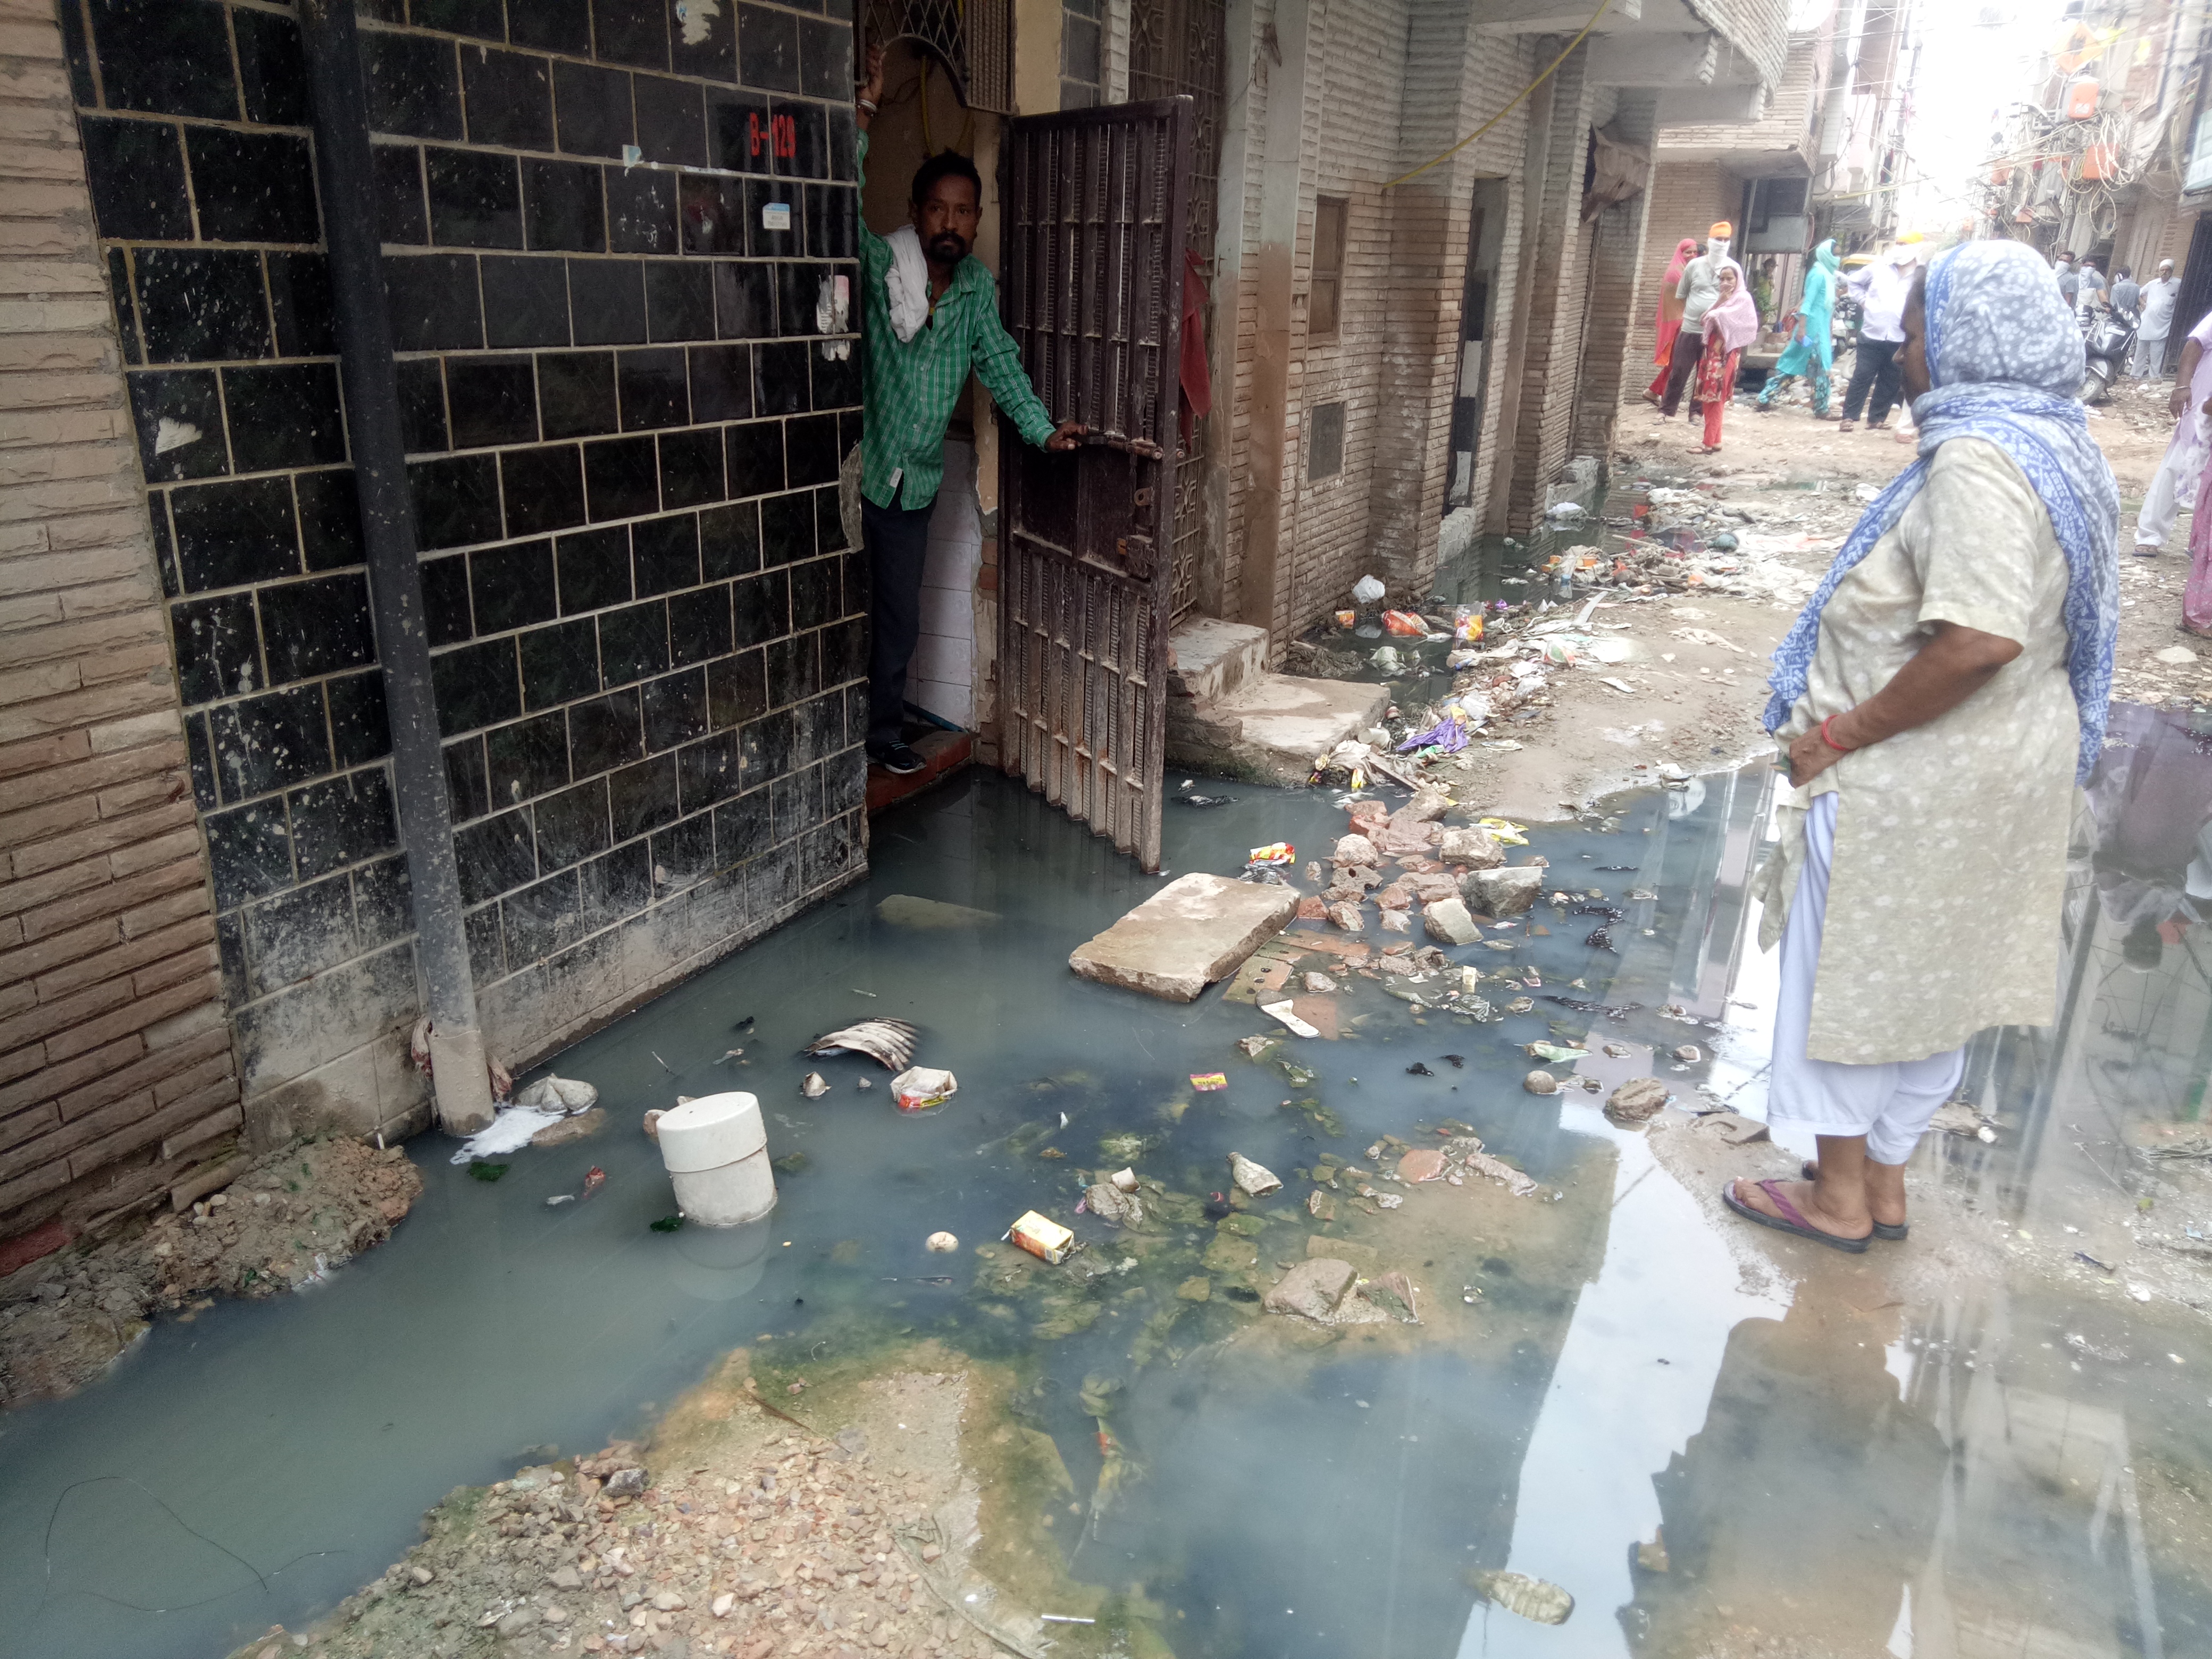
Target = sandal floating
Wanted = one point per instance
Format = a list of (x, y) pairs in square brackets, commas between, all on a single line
[(1795, 1222)]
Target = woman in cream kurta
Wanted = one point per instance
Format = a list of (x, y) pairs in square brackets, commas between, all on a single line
[(1938, 700)]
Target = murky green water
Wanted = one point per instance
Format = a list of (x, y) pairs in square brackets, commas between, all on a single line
[(1948, 1471)]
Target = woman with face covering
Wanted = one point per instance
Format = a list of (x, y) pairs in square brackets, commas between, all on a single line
[(1938, 700), (1811, 351), (1731, 323), (1670, 318)]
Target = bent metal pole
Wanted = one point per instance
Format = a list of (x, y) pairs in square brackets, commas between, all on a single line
[(458, 1073)]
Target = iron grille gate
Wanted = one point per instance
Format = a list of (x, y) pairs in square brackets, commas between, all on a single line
[(1093, 208)]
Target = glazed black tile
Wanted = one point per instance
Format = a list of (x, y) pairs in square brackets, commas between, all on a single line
[(383, 907), (667, 554), (844, 652), (684, 854), (468, 786), (475, 198), (756, 458), (845, 781), (423, 406), (721, 383), (541, 920), (76, 52), (249, 852), (768, 742), (253, 186), (229, 931), (620, 885), (856, 583), (159, 56), (763, 241), (603, 732), (486, 949), (330, 517), (484, 19), (711, 57), (492, 400), (856, 708), (552, 25), (744, 300), (284, 416), (772, 885), (359, 730), (494, 856), (706, 772), (672, 121), (653, 389), (231, 534), (744, 827), (126, 312), (737, 689), (178, 418), (829, 521), (446, 600), (572, 826), (525, 301), (699, 623), (198, 305), (527, 758), (768, 48), (476, 686), (544, 489), (794, 670), (396, 172), (270, 742), (164, 551), (690, 467), (849, 428), (621, 478), (819, 728), (576, 394), (737, 137), (675, 710), (762, 608), (380, 11), (317, 627), (456, 501), (641, 212), (798, 291), (710, 215), (833, 229), (830, 853), (560, 664), (341, 820), (299, 300), (810, 447), (606, 299), (632, 31), (816, 594), (825, 59), (592, 109), (512, 587), (414, 84), (729, 541), (432, 301), (218, 648), (634, 643), (137, 177), (510, 99), (843, 163), (780, 380), (787, 527), (272, 73), (642, 797), (679, 300), (563, 210), (836, 385), (804, 151), (594, 570)]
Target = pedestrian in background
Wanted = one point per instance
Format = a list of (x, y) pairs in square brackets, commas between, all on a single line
[(1670, 318), (2069, 279), (2174, 485), (2159, 297), (1810, 353), (1762, 288), (1698, 287), (1882, 289), (1731, 323), (1948, 684), (2124, 294)]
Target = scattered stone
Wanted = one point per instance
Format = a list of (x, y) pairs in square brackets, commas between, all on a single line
[(1320, 1206), (1114, 1206), (1313, 1289), (1448, 921), (1318, 983), (667, 1601), (1422, 1164), (1733, 1128), (1312, 907), (2177, 655), (563, 1577), (1689, 1053), (1507, 892), (1636, 1100), (1347, 917), (625, 1483), (652, 1123), (1475, 846), (1196, 930), (1197, 1288), (813, 1087), (1541, 1082), (1514, 1180), (1354, 850), (1251, 1178), (1397, 921), (517, 1620)]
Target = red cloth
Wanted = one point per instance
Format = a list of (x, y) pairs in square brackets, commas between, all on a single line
[(1663, 349), (1197, 379), (1715, 385)]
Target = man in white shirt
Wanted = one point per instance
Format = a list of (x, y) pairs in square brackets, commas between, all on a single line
[(1700, 287), (1882, 289), (2157, 301), (2091, 294), (2173, 486), (2069, 280)]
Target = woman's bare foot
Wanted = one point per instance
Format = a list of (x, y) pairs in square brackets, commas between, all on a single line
[(1885, 1190), (1806, 1196)]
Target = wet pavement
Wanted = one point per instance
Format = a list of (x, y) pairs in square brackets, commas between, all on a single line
[(1968, 1444)]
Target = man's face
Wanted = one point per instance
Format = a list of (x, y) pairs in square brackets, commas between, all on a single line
[(944, 220)]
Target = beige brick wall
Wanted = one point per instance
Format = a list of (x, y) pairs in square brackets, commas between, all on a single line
[(115, 1075)]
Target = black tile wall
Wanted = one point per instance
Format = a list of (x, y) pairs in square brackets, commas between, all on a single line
[(616, 413)]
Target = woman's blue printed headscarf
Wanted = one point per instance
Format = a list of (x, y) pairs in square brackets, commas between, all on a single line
[(2005, 361)]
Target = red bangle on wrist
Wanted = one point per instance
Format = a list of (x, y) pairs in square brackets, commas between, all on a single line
[(1828, 738)]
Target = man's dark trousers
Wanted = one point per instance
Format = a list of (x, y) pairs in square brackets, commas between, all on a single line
[(1875, 369), (1689, 346), (897, 542)]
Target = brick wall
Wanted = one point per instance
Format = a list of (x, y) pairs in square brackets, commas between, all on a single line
[(1759, 29), (1616, 255), (116, 1076), (1687, 198)]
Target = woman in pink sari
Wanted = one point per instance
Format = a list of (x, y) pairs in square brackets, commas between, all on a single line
[(1731, 323), (1670, 317), (2197, 597)]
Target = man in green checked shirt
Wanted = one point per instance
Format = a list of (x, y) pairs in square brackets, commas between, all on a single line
[(924, 332)]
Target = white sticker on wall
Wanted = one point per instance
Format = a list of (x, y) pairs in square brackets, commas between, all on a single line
[(776, 216), (695, 16)]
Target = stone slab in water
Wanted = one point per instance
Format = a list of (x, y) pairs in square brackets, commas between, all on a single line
[(1193, 931)]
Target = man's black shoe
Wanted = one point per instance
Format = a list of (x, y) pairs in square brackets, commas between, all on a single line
[(899, 760)]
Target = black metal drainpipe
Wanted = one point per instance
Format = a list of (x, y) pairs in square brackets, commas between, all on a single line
[(458, 1074)]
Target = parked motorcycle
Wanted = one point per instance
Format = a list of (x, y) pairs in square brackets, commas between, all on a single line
[(2108, 337)]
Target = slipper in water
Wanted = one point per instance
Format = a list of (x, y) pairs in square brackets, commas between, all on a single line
[(1881, 1229), (1794, 1223)]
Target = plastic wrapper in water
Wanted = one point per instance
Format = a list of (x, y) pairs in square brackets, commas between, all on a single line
[(922, 1086)]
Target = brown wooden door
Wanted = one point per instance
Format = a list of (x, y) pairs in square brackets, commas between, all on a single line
[(1093, 204)]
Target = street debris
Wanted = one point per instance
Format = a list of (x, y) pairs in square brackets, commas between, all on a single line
[(813, 1087), (1532, 1598), (1541, 1082), (1207, 1082), (594, 1178), (920, 1086), (558, 1094), (889, 1042), (1637, 1101), (1281, 1010), (1046, 1240), (1253, 1179), (943, 1242)]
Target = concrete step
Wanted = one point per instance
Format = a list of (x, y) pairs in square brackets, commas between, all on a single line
[(1271, 729), (1212, 659)]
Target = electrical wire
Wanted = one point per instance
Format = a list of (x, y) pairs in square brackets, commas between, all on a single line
[(1604, 7)]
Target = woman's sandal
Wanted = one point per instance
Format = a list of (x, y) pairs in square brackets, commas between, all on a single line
[(1881, 1229), (1790, 1221)]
